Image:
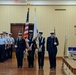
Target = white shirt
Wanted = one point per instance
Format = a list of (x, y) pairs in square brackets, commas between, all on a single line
[(2, 41), (6, 39), (11, 40)]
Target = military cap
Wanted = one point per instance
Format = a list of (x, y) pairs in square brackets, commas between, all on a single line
[(6, 32), (19, 34), (10, 33), (40, 32), (52, 32), (30, 31), (3, 31)]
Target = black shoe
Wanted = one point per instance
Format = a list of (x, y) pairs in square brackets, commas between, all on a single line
[(32, 66), (54, 68), (51, 67), (28, 66), (20, 66), (39, 67), (17, 66)]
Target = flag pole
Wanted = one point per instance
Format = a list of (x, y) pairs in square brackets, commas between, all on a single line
[(54, 34), (35, 33), (26, 31)]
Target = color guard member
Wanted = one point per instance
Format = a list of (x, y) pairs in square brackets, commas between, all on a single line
[(52, 43), (20, 46), (31, 49), (41, 50)]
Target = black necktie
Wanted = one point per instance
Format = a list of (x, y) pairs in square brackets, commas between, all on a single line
[(40, 38)]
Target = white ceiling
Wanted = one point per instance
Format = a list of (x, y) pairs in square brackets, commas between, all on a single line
[(40, 2)]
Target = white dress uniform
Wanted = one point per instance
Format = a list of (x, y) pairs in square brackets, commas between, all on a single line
[(2, 49), (11, 46), (7, 39), (11, 40)]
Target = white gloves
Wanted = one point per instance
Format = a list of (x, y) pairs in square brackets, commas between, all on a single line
[(55, 43), (16, 46)]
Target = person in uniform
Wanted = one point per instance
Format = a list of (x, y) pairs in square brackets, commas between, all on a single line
[(41, 50), (11, 45), (31, 49), (8, 45), (2, 48), (52, 43), (5, 36), (20, 47)]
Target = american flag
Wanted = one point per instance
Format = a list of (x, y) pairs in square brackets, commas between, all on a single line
[(26, 25)]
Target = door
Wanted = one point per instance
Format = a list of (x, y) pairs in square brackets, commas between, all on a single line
[(19, 27)]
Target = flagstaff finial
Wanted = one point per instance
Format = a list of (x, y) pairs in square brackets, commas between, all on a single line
[(28, 5)]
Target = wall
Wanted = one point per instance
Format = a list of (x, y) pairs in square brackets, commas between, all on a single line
[(47, 19)]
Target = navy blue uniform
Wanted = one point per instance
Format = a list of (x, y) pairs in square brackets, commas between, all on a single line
[(21, 45), (41, 52), (2, 49), (31, 52), (2, 53), (52, 50)]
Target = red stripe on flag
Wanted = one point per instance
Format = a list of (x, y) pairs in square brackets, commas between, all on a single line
[(26, 30), (26, 24)]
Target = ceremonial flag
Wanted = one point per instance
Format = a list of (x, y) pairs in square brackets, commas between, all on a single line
[(26, 25), (35, 33)]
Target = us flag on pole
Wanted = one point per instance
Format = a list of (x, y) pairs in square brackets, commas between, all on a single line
[(26, 25)]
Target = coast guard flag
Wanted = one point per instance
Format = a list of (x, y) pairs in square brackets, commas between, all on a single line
[(26, 25), (35, 33)]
